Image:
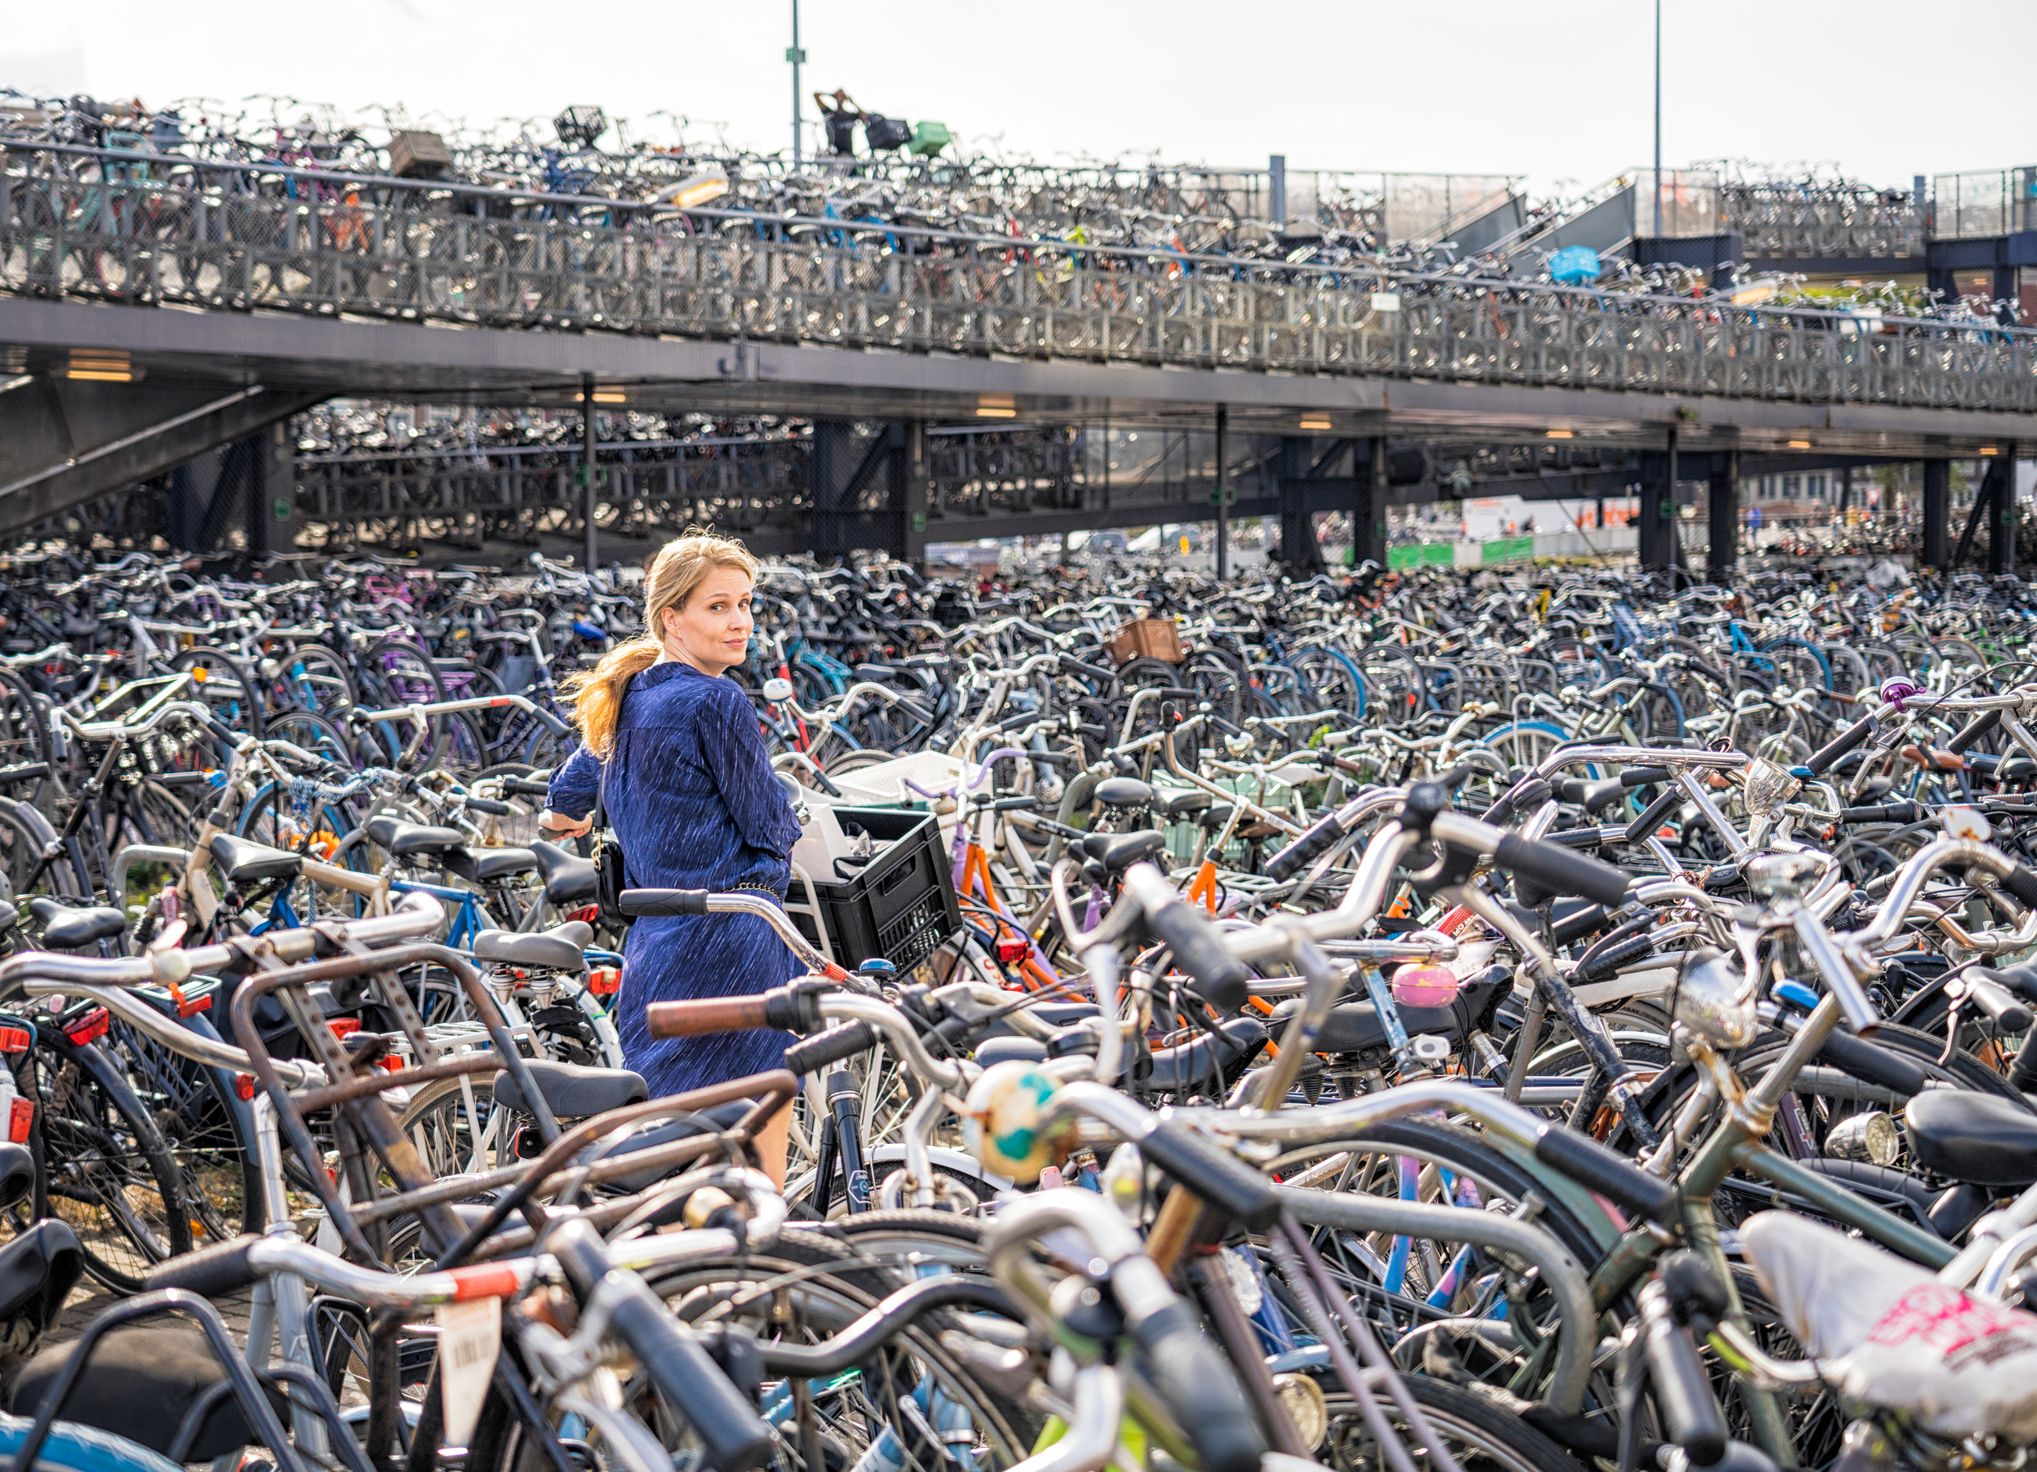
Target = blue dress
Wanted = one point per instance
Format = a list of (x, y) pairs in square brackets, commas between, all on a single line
[(689, 790)]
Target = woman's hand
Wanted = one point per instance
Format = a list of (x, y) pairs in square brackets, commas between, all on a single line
[(563, 826)]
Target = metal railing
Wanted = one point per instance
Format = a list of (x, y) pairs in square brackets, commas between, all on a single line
[(200, 241), (1986, 203)]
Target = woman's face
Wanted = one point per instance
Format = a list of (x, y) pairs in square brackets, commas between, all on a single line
[(712, 632)]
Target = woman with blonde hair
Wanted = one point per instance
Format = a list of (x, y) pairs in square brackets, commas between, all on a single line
[(674, 753)]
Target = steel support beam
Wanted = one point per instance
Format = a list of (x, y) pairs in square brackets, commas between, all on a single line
[(2001, 478), (1222, 495), (64, 442), (1369, 502), (590, 457), (1936, 540), (1655, 536), (1300, 552), (1723, 516), (907, 486)]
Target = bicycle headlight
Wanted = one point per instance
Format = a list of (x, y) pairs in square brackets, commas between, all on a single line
[(1714, 1002), (1306, 1407), (1871, 1137)]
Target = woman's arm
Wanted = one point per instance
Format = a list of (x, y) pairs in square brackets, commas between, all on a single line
[(733, 749), (574, 787)]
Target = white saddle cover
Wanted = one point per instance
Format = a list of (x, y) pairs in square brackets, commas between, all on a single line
[(1888, 1334)]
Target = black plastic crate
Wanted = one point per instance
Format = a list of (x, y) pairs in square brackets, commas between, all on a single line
[(900, 905)]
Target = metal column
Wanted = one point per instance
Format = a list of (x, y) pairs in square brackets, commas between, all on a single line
[(1222, 496), (1723, 514), (1368, 512), (1655, 536), (908, 491), (1300, 550), (589, 453), (1934, 549), (2001, 546), (1845, 491)]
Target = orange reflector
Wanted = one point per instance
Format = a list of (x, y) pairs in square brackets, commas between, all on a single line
[(605, 981)]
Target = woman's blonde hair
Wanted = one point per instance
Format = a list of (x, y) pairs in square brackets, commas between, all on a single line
[(680, 567)]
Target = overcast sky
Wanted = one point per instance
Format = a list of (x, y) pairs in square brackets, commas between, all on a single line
[(1551, 91)]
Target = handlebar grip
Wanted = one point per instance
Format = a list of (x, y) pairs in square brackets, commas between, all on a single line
[(1200, 1388), (1562, 872), (1198, 946), (640, 902), (1613, 957), (1650, 818), (1847, 740), (737, 1439), (526, 787), (2021, 980), (1070, 665), (210, 1272), (1874, 1064), (836, 1045), (1313, 842), (1691, 1417), (710, 1015), (1578, 924), (2010, 1014), (489, 806), (1643, 776), (2022, 883), (1610, 1174), (1209, 1171), (1974, 730), (1886, 812)]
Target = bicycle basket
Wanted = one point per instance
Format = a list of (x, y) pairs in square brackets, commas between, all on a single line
[(581, 125)]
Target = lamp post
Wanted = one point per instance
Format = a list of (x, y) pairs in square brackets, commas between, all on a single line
[(794, 55), (1658, 114)]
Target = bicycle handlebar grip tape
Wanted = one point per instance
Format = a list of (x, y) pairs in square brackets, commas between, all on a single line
[(1847, 740), (1974, 730), (1558, 869), (710, 1015), (1220, 978), (1200, 1388), (833, 1046), (637, 903), (210, 1272), (1607, 1172), (1209, 1171), (1874, 1064), (1312, 843), (1691, 1417), (692, 1384)]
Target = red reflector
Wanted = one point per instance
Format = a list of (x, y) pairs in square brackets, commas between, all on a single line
[(20, 1119), (587, 914), (343, 1027), (605, 981), (244, 1086), (15, 1040), (192, 1006), (1011, 952), (390, 1064), (89, 1028)]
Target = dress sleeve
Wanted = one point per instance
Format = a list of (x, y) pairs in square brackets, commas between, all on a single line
[(733, 750), (575, 784)]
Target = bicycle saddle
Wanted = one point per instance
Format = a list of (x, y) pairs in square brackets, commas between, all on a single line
[(1119, 851), (73, 927), (245, 862), (562, 948), (401, 840), (38, 1270), (1181, 804), (1199, 1062), (1355, 1027), (485, 865), (1976, 1139), (1124, 792), (141, 1380), (568, 880), (572, 1090)]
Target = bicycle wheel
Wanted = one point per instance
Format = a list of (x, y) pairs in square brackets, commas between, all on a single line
[(102, 1165), (225, 684), (218, 1177), (1481, 1434)]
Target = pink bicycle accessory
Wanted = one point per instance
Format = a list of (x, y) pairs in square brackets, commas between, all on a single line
[(1425, 984)]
